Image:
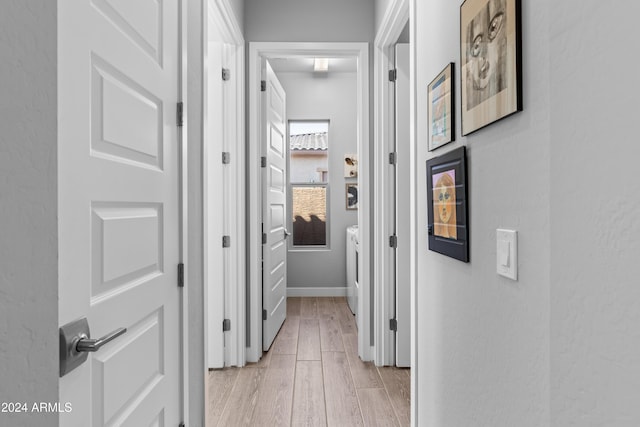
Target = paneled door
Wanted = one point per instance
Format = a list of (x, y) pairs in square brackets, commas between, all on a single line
[(119, 248), (274, 266)]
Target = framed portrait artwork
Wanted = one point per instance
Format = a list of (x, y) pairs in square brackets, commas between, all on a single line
[(491, 62), (351, 194), (351, 165), (447, 204), (441, 110)]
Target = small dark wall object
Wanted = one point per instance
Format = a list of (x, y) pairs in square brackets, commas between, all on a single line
[(447, 204), (351, 196)]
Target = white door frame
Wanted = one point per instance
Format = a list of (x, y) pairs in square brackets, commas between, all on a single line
[(267, 50), (194, 19), (225, 215), (393, 23)]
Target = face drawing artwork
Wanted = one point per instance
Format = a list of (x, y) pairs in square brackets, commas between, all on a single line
[(444, 205), (486, 53)]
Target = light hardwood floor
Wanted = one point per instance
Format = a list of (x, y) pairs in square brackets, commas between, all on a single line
[(311, 376)]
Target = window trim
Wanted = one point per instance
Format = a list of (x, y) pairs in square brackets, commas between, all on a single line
[(308, 248)]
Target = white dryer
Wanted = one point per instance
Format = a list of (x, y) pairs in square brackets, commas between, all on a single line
[(352, 270)]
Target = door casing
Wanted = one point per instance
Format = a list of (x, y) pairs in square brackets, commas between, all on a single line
[(393, 22), (267, 50)]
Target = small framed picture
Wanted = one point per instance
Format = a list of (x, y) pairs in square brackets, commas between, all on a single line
[(441, 109), (491, 62), (351, 191), (351, 165), (447, 204)]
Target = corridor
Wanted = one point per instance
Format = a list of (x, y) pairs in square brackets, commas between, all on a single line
[(311, 376)]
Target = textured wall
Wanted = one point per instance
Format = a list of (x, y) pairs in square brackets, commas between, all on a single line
[(595, 215), (483, 339), (309, 20), (319, 98), (196, 12), (28, 209)]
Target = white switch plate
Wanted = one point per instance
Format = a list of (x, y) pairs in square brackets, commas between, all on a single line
[(507, 253)]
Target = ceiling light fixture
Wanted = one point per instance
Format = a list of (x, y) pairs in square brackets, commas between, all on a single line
[(321, 64)]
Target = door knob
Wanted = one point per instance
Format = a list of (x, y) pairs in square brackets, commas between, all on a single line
[(75, 344), (286, 233)]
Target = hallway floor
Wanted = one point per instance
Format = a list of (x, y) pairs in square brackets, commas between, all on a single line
[(311, 376)]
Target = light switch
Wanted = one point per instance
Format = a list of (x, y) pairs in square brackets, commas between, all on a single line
[(507, 253)]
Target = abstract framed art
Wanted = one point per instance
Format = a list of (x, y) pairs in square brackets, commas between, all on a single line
[(491, 62), (441, 110), (447, 204), (351, 194)]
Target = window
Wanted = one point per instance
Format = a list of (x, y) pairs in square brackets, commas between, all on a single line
[(309, 178)]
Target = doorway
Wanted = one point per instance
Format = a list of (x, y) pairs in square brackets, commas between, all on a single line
[(258, 55)]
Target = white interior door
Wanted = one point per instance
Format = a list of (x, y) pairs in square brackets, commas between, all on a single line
[(118, 207), (214, 254), (274, 267), (403, 139)]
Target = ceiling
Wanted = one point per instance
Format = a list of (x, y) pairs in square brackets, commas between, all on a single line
[(305, 64)]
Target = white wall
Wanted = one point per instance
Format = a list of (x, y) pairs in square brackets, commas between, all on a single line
[(561, 345), (595, 214), (309, 20), (332, 97), (194, 263), (380, 9), (238, 11), (28, 209), (483, 347)]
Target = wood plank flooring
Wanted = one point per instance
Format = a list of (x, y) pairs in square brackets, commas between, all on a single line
[(311, 376)]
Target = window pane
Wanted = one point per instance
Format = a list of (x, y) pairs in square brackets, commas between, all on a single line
[(309, 215), (308, 148)]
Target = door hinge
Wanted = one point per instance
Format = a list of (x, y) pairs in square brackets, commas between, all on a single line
[(393, 241), (264, 238), (179, 114), (226, 325), (181, 275), (226, 74), (264, 314), (393, 158), (226, 158), (263, 162), (393, 325), (263, 85), (393, 75), (226, 241)]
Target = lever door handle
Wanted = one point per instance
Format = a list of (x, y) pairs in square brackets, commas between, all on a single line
[(75, 344), (87, 344)]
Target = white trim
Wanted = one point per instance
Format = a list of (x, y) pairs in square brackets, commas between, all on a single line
[(327, 291), (185, 338), (270, 49), (393, 23), (413, 214), (231, 211)]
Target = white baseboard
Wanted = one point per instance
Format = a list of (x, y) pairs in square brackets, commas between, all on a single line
[(317, 292)]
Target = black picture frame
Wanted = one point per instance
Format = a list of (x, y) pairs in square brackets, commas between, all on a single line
[(448, 204), (490, 62), (351, 196), (441, 109)]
